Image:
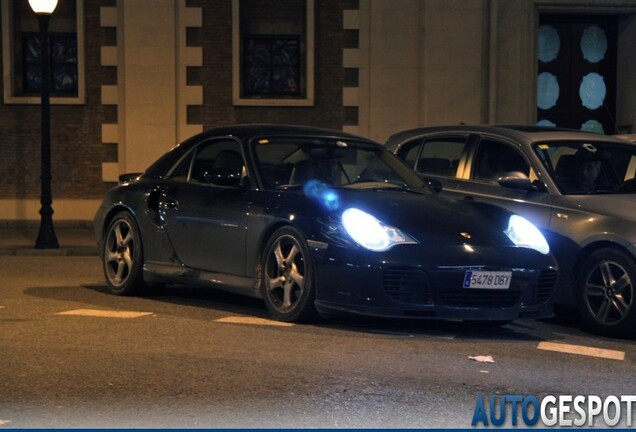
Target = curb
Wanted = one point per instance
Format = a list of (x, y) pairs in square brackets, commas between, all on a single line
[(35, 224), (69, 251)]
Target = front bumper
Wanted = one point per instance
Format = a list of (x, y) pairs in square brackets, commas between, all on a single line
[(418, 282)]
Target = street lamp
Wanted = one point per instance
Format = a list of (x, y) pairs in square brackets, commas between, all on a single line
[(46, 237)]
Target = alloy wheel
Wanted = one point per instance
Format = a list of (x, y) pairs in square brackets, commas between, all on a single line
[(285, 274), (119, 252), (609, 292)]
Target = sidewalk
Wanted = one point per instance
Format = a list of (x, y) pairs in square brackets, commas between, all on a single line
[(72, 241)]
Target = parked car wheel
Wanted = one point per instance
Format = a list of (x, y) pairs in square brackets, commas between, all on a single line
[(607, 293), (123, 256), (287, 277)]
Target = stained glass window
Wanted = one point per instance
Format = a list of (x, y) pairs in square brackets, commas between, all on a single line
[(271, 66), (594, 44), (549, 43), (22, 60), (592, 91), (546, 123), (547, 90), (593, 126), (62, 63), (273, 49)]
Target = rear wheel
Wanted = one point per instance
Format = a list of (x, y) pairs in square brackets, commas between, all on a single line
[(607, 281), (287, 277), (122, 256)]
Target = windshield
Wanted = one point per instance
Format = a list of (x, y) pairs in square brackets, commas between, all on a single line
[(293, 162), (590, 167)]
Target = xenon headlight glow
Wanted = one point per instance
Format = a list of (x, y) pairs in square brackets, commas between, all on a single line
[(370, 233), (523, 233)]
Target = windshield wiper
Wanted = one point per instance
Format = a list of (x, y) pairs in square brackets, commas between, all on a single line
[(380, 185)]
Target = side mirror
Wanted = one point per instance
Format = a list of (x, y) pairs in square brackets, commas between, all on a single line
[(245, 182), (128, 177), (434, 184), (516, 180)]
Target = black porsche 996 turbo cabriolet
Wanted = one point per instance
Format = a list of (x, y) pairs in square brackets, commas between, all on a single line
[(316, 222)]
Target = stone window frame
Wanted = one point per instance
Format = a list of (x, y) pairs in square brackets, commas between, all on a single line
[(308, 99), (9, 69)]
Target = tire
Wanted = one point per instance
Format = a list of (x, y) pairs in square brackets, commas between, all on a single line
[(606, 284), (287, 279), (123, 256)]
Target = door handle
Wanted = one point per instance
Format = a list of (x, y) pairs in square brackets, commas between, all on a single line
[(469, 198), (170, 203)]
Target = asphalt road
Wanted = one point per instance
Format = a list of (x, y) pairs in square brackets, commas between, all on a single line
[(72, 355)]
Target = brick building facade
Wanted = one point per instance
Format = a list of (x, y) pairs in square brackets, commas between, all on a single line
[(75, 135), (153, 72)]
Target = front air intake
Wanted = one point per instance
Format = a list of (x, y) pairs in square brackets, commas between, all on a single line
[(407, 285)]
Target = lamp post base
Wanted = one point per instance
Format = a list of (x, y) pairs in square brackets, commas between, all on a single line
[(46, 237)]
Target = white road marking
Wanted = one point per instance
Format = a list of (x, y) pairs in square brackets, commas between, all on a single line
[(4, 422), (253, 321), (105, 313), (482, 359), (582, 350)]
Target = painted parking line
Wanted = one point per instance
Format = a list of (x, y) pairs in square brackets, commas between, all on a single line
[(252, 321), (104, 313), (582, 350)]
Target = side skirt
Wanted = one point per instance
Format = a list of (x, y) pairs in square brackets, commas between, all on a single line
[(179, 274)]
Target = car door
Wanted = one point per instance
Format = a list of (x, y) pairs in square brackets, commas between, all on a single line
[(493, 158), (206, 212)]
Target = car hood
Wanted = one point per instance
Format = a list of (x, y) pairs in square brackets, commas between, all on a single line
[(620, 206), (430, 218)]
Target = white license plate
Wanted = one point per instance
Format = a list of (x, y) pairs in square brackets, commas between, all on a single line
[(487, 279)]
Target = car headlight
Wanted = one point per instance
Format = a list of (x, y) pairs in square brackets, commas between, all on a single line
[(372, 234), (523, 233)]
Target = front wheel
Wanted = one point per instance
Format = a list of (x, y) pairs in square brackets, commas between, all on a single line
[(122, 256), (606, 299), (287, 280)]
